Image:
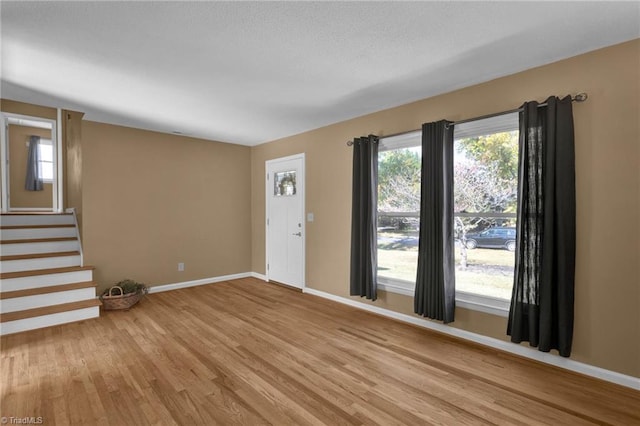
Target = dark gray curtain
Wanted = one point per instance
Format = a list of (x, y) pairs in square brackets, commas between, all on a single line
[(435, 294), (364, 218), (543, 291), (33, 180)]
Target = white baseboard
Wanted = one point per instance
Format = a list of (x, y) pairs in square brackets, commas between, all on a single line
[(259, 276), (547, 358), (185, 284)]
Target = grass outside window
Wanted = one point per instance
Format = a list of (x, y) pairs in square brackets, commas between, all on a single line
[(489, 271)]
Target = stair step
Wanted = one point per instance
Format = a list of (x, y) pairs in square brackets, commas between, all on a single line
[(24, 303), (20, 274), (39, 255), (48, 310), (21, 219), (42, 278), (45, 290), (50, 320), (39, 240), (32, 262), (35, 226), (27, 247), (28, 233)]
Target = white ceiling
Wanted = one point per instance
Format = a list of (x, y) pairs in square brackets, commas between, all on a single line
[(252, 72)]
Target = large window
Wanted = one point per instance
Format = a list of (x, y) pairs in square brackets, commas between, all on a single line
[(485, 198)]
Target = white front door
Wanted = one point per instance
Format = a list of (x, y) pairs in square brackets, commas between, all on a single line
[(285, 220)]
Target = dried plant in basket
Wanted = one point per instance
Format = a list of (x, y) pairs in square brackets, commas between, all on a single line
[(123, 295)]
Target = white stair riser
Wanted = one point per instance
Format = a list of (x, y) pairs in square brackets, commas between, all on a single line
[(17, 326), (37, 248), (31, 233), (37, 281), (39, 263), (49, 299), (37, 219)]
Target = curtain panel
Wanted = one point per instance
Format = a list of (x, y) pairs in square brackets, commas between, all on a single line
[(543, 292), (33, 180), (435, 293), (364, 218)]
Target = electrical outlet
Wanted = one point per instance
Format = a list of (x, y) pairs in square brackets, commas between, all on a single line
[(181, 266)]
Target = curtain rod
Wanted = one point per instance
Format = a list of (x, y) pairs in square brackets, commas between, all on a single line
[(580, 97)]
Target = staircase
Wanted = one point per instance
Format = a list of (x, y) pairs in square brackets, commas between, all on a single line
[(42, 278)]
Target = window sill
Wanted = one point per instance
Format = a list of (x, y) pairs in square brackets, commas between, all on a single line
[(405, 288), (486, 304), (475, 302)]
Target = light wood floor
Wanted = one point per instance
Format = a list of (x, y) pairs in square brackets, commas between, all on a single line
[(246, 352)]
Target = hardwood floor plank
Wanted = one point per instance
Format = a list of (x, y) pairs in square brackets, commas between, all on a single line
[(248, 353)]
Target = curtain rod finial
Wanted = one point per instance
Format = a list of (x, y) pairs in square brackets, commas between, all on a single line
[(349, 143), (581, 97)]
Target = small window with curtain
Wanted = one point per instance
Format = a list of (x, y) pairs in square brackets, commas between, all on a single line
[(485, 207), (45, 148)]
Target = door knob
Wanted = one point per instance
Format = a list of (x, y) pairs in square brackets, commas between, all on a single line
[(299, 234)]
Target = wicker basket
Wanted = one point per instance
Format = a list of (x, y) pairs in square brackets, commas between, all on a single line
[(120, 301)]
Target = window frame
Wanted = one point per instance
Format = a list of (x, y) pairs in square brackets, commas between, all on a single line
[(473, 301)]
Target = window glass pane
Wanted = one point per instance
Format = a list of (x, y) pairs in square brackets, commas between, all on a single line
[(46, 152), (398, 246), (284, 183), (485, 202), (399, 180), (398, 212), (47, 171)]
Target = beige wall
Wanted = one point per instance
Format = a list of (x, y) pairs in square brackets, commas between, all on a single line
[(15, 107), (18, 153), (607, 308), (151, 200)]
